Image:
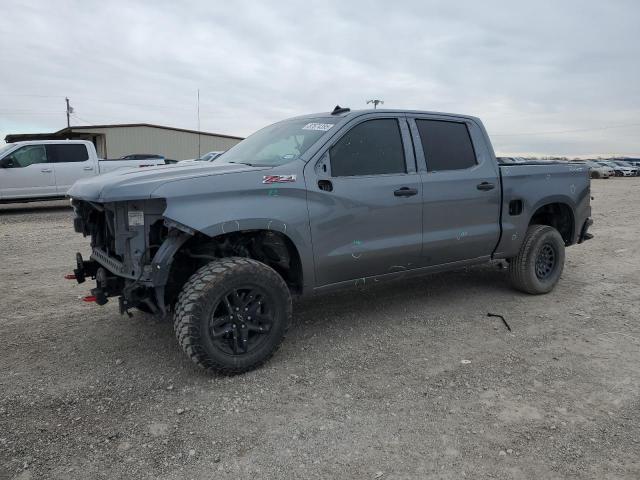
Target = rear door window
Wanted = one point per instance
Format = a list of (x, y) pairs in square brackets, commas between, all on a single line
[(71, 153), (446, 145), (373, 147)]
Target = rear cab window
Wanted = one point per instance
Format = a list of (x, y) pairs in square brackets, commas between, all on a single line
[(446, 144), (66, 153)]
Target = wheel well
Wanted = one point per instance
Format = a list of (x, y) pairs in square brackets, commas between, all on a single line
[(558, 216), (270, 247)]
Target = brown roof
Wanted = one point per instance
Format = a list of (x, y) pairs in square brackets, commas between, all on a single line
[(15, 137)]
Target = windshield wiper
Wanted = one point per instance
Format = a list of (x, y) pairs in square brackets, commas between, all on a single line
[(246, 163), (251, 164)]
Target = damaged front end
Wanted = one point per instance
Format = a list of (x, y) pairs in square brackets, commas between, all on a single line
[(132, 249)]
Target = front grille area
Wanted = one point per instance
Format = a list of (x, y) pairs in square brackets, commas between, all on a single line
[(113, 265), (122, 248)]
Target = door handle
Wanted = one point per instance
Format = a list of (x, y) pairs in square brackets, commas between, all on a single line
[(46, 170), (405, 192), (88, 168), (485, 186)]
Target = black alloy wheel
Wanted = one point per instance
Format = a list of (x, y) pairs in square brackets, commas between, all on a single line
[(241, 320), (546, 261)]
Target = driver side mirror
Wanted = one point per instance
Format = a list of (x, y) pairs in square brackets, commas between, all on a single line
[(7, 162)]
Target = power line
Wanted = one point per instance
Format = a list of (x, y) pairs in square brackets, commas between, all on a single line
[(36, 114), (27, 111), (75, 116), (146, 105), (95, 100), (29, 95), (375, 102)]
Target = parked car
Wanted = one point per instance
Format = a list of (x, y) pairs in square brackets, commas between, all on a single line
[(634, 169), (508, 160), (317, 203), (143, 156), (620, 170), (597, 170), (207, 157), (46, 169)]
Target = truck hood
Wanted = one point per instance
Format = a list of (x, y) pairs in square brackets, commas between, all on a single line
[(136, 184)]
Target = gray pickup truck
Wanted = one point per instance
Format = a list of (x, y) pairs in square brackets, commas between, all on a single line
[(315, 203)]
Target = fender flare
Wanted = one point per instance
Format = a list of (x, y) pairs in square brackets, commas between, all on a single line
[(162, 261)]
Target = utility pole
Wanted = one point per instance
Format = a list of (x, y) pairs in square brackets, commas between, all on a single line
[(375, 102), (69, 111), (199, 151)]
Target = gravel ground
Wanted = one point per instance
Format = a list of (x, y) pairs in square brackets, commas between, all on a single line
[(407, 380)]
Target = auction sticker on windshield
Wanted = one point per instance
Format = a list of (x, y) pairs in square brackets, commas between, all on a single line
[(323, 127)]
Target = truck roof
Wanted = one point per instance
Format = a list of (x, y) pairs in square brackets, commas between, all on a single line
[(356, 113), (40, 142)]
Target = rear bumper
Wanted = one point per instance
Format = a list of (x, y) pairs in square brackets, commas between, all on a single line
[(584, 232)]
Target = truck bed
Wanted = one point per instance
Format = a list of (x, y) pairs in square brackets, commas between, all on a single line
[(527, 186)]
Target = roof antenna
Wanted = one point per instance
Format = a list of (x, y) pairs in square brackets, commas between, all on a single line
[(339, 110)]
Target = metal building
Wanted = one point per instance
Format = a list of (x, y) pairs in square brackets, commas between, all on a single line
[(115, 141)]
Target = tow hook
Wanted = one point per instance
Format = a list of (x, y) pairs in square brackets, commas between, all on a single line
[(97, 295), (78, 273), (82, 270)]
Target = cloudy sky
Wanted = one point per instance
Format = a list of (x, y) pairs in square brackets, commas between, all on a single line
[(547, 77)]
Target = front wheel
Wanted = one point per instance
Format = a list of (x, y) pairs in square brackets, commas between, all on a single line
[(539, 264), (232, 315)]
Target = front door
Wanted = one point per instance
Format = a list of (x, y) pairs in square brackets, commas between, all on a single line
[(365, 203), (26, 173), (461, 214)]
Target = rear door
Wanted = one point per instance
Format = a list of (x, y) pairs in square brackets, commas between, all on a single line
[(26, 173), (71, 162), (365, 202), (461, 211)]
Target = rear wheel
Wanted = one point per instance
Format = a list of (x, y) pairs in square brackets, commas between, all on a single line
[(540, 262), (232, 315)]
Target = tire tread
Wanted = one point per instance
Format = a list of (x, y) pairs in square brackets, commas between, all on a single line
[(520, 274), (188, 306)]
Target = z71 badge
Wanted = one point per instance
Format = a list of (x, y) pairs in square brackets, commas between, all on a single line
[(278, 178)]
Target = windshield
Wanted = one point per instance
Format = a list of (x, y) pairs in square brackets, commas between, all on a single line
[(6, 148), (278, 144), (209, 157)]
